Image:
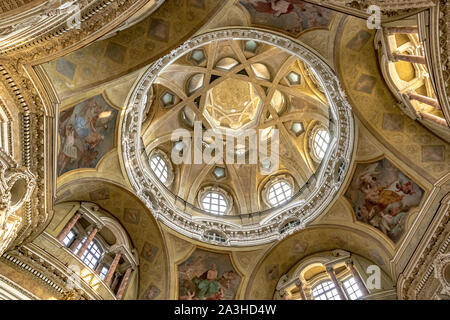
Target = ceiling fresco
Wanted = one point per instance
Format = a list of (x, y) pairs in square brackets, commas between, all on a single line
[(87, 131), (362, 176), (382, 196), (208, 275), (290, 16)]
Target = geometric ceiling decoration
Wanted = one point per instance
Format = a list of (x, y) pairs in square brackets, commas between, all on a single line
[(293, 78), (198, 56), (219, 172), (223, 82), (251, 46), (232, 104), (297, 128), (167, 99)]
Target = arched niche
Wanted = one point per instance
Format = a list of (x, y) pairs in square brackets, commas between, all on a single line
[(314, 239), (138, 222)]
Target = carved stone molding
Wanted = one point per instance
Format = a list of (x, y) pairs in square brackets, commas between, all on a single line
[(35, 145), (16, 186), (439, 39), (40, 41), (435, 244), (50, 28), (441, 267), (324, 188), (48, 270), (388, 8)]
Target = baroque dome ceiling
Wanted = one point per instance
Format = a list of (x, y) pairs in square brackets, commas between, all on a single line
[(189, 150)]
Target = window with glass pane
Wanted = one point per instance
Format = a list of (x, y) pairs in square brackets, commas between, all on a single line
[(325, 291), (92, 254), (279, 193), (213, 236), (215, 203), (67, 241), (352, 288), (160, 168), (104, 272), (321, 141)]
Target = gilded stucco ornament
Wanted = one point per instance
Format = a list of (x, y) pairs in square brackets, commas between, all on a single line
[(325, 187), (16, 186)]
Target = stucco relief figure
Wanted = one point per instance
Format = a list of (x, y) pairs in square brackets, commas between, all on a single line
[(293, 16), (16, 187), (86, 134), (383, 196), (207, 276)]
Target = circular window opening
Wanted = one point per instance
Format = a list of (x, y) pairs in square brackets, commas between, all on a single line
[(321, 142), (215, 203), (279, 193)]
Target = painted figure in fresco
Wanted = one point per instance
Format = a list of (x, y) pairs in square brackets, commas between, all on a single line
[(151, 293), (293, 16), (86, 132), (207, 284), (275, 7), (207, 276), (383, 196)]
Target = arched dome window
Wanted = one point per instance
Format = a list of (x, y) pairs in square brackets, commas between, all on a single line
[(161, 167), (325, 291), (321, 140), (92, 254), (279, 193), (214, 202)]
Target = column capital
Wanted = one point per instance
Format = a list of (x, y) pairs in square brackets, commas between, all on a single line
[(329, 268), (349, 263)]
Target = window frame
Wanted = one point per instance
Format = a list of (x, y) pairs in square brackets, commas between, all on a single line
[(226, 197), (88, 251), (312, 142), (163, 156), (347, 293), (271, 183), (100, 274), (71, 240), (331, 288)]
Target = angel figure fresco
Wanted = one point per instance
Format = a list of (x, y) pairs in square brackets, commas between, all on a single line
[(383, 196), (86, 133)]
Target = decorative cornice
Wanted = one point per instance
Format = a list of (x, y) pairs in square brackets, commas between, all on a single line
[(389, 9), (267, 230), (95, 17), (36, 123), (436, 242), (24, 293), (10, 5)]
